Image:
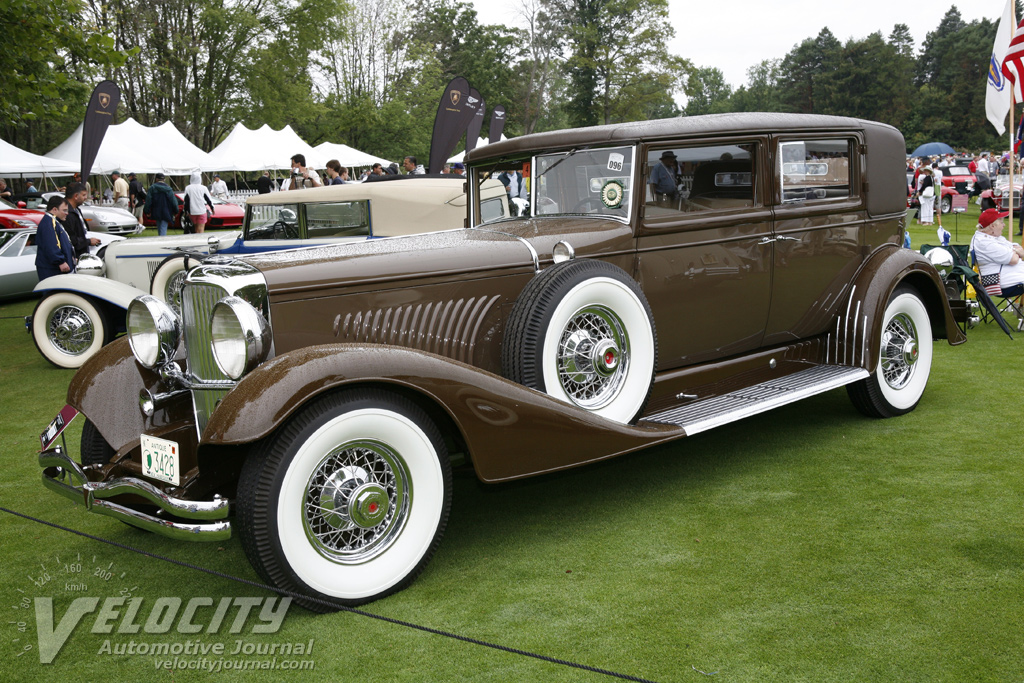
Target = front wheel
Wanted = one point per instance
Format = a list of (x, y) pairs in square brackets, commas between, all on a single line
[(947, 204), (905, 359), (169, 276), (348, 501), (69, 329)]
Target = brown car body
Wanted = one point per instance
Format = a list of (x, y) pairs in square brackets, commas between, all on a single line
[(777, 282)]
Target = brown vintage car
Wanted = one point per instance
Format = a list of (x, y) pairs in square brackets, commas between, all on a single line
[(672, 276)]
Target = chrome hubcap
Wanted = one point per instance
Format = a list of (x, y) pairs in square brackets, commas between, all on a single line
[(357, 502), (900, 351), (593, 357), (70, 330)]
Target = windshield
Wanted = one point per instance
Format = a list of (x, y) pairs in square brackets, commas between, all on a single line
[(272, 221), (585, 181)]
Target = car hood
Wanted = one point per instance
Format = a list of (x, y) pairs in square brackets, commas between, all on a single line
[(391, 262), (108, 213), (27, 214), (154, 245)]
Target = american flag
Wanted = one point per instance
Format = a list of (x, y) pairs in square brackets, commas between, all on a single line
[(1013, 63), (1017, 149)]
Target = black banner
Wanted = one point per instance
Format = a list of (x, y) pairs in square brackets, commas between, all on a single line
[(454, 112), (473, 132), (98, 116), (497, 124)]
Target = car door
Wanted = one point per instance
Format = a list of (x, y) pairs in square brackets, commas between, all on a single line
[(704, 251), (819, 223)]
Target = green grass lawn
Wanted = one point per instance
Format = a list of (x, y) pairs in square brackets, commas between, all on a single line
[(805, 544)]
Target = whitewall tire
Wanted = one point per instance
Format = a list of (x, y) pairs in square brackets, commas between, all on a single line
[(69, 329)]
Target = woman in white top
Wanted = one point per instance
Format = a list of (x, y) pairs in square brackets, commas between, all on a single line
[(197, 198)]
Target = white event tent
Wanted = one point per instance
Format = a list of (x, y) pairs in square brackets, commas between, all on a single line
[(264, 149), (348, 156), (481, 142), (130, 146), (14, 160)]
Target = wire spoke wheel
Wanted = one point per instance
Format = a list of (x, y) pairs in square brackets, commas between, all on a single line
[(357, 501), (70, 329), (900, 351), (593, 357)]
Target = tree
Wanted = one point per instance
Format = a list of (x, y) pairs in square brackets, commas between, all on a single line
[(539, 70), (806, 71), (52, 59), (763, 90), (708, 92)]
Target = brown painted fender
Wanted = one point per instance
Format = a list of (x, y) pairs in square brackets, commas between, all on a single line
[(510, 431), (855, 338)]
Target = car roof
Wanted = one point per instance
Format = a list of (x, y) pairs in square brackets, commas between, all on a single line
[(743, 122)]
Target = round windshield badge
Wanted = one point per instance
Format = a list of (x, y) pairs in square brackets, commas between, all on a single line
[(611, 194)]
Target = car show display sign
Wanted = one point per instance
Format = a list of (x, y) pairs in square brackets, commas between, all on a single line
[(454, 113), (100, 114), (473, 134), (497, 124)]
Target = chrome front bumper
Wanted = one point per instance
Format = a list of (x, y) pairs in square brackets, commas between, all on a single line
[(63, 475)]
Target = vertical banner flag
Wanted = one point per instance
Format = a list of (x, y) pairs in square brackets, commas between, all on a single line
[(454, 112), (997, 94), (473, 133), (497, 124), (100, 114)]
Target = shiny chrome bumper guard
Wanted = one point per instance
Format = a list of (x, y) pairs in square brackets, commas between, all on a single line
[(63, 475)]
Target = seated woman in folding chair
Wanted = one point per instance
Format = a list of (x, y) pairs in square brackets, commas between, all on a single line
[(1000, 261)]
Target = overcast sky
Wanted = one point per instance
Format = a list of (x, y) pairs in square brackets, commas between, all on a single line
[(738, 34)]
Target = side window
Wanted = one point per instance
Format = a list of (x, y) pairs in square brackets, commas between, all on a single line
[(815, 169), (337, 219), (698, 179)]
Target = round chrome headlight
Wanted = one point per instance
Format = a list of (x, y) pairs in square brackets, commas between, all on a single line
[(90, 264), (941, 259), (153, 330), (241, 337)]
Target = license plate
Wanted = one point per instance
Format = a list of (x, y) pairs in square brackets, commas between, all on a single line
[(59, 424), (160, 460)]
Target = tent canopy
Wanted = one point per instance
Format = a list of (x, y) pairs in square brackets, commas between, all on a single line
[(347, 156), (481, 142), (16, 160), (130, 146), (264, 149)]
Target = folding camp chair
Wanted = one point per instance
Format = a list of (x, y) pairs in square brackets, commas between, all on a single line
[(1005, 300)]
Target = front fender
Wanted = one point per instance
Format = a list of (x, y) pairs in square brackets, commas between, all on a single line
[(111, 291), (510, 431), (854, 339)]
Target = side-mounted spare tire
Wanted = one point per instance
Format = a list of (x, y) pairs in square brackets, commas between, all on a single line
[(582, 332)]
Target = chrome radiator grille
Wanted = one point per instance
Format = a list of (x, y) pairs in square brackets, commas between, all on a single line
[(197, 302)]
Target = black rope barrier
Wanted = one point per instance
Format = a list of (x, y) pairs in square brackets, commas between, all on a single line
[(334, 605)]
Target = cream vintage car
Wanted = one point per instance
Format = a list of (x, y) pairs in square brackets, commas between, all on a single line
[(79, 313)]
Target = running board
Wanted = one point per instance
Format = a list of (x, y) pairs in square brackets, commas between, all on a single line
[(715, 412)]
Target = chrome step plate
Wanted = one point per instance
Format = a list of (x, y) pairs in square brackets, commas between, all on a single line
[(715, 412)]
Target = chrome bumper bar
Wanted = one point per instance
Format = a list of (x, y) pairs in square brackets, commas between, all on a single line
[(63, 475)]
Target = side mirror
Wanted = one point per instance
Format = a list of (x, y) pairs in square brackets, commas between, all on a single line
[(22, 204)]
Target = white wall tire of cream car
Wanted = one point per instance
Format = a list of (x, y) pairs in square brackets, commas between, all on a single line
[(583, 332), (905, 359), (168, 277), (69, 329), (348, 500)]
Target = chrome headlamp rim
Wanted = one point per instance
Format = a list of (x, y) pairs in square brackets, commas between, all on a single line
[(255, 336), (147, 310)]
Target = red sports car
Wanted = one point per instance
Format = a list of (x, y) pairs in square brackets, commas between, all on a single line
[(225, 215), (13, 218)]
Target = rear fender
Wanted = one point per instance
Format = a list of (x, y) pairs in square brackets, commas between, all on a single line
[(854, 338), (510, 431)]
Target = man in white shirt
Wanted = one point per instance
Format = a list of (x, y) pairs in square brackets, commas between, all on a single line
[(302, 176), (995, 254), (219, 189)]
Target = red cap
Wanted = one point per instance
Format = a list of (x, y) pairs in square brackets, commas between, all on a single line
[(990, 216)]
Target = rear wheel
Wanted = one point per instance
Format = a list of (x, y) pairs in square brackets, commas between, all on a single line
[(905, 359), (69, 329), (947, 204), (348, 501)]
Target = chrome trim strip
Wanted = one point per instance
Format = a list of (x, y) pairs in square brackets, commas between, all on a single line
[(64, 476), (533, 252)]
